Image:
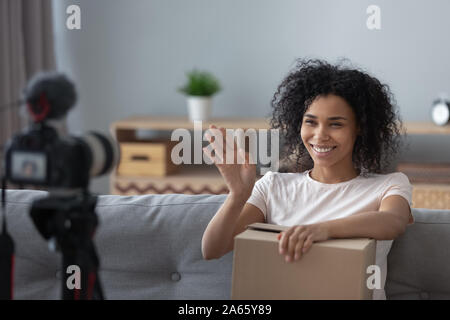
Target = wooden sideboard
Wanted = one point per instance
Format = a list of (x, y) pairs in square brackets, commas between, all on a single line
[(426, 195), (189, 179), (203, 178)]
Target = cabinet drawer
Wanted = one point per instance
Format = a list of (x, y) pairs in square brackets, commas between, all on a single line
[(146, 159)]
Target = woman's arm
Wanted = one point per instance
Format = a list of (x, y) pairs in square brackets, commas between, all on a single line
[(231, 219), (386, 224), (234, 214)]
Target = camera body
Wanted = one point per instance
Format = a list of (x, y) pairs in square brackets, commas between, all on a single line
[(41, 156)]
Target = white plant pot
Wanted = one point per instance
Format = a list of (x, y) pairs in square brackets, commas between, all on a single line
[(199, 108)]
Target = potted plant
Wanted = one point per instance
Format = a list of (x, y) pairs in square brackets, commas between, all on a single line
[(200, 88)]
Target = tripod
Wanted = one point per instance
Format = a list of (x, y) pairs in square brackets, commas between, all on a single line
[(71, 222)]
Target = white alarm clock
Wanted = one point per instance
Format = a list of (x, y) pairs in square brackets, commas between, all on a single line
[(440, 112)]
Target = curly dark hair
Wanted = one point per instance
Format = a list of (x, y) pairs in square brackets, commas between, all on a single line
[(372, 102)]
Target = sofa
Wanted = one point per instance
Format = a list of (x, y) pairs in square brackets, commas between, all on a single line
[(150, 248)]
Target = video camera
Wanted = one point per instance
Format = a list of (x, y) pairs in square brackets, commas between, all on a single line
[(43, 156)]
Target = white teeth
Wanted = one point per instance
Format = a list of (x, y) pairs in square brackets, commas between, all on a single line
[(321, 150)]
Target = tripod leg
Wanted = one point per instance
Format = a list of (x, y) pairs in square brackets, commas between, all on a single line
[(81, 281), (95, 289)]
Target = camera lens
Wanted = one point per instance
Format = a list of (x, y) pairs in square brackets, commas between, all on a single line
[(104, 153)]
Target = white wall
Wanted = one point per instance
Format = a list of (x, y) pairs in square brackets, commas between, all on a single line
[(130, 56)]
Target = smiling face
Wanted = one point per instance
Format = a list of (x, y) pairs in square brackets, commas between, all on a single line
[(329, 131)]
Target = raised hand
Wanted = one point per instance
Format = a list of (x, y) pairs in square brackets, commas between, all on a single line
[(240, 174)]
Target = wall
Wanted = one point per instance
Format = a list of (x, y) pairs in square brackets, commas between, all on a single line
[(130, 56)]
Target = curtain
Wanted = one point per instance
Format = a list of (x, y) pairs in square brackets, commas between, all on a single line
[(26, 47)]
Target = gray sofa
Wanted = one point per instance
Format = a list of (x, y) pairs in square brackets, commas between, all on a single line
[(149, 248)]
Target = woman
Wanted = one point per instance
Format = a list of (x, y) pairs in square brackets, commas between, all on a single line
[(339, 124)]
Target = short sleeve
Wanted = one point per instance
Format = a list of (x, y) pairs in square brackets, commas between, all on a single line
[(398, 184), (260, 192)]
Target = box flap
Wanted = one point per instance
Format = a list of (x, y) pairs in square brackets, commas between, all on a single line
[(268, 231), (267, 227)]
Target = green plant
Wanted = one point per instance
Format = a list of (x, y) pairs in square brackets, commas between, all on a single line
[(200, 83)]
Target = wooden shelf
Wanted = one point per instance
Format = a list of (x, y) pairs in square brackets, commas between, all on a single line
[(171, 123), (426, 128), (431, 196), (189, 179)]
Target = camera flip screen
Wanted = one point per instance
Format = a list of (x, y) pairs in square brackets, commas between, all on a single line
[(28, 166)]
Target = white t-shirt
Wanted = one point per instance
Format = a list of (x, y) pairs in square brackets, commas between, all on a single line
[(290, 199)]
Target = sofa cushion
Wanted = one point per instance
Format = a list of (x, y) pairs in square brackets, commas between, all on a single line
[(419, 259), (149, 247)]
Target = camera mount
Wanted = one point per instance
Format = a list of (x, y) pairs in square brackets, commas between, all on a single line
[(71, 221)]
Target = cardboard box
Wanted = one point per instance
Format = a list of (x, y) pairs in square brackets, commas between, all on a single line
[(332, 269)]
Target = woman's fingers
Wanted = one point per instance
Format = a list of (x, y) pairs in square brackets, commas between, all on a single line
[(224, 145), (307, 245), (215, 145), (298, 250), (293, 242), (285, 239), (216, 158)]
